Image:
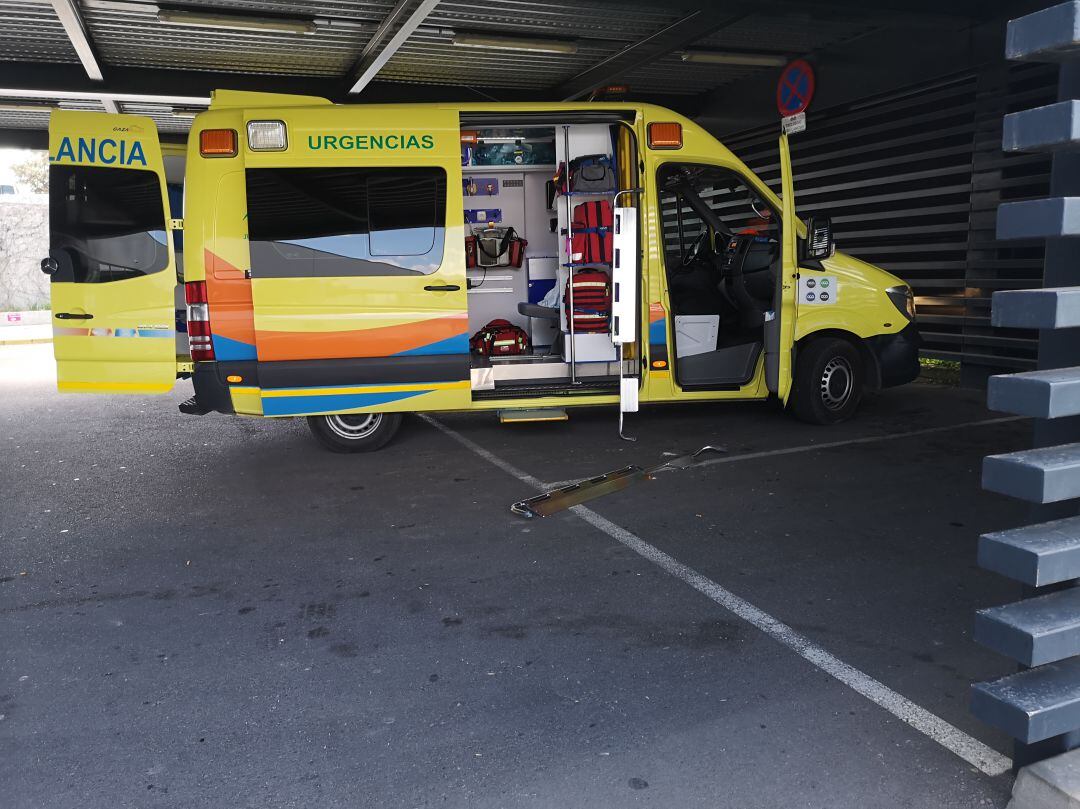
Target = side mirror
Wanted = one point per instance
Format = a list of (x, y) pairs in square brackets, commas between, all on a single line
[(49, 266), (819, 238)]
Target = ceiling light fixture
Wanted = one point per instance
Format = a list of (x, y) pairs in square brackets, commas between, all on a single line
[(728, 58), (236, 22), (513, 44), (27, 107)]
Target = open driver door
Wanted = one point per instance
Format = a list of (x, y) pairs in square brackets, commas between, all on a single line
[(780, 331), (112, 261)]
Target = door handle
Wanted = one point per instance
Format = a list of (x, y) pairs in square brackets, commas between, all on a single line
[(442, 288), (73, 316)]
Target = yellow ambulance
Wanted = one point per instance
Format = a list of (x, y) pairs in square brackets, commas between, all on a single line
[(351, 263)]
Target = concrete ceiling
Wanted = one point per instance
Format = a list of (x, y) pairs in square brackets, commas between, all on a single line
[(164, 58)]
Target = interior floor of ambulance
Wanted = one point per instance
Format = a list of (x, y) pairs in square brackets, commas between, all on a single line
[(538, 201)]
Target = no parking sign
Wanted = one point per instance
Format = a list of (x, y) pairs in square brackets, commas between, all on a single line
[(794, 91)]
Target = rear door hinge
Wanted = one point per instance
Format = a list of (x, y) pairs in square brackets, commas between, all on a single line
[(176, 224)]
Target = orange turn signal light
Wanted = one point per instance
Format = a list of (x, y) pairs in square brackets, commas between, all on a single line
[(234, 378), (659, 364), (468, 136), (665, 135), (217, 143)]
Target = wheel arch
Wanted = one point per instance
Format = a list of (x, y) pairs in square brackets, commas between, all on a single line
[(871, 367)]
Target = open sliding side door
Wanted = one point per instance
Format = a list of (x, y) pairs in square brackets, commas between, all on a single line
[(111, 259)]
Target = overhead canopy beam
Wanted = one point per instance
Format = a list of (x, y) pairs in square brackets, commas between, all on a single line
[(370, 62), (677, 35), (76, 95), (75, 26), (72, 19)]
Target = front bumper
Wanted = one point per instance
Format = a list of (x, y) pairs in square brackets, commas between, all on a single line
[(897, 355)]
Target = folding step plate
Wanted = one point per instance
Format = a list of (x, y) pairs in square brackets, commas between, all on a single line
[(536, 414)]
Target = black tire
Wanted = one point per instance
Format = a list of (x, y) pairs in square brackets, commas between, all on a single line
[(355, 432), (828, 382)]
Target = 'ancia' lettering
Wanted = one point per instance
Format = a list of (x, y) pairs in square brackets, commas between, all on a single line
[(106, 151)]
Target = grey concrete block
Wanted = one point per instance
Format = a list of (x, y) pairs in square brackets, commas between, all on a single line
[(1043, 475), (1038, 555), (1053, 783), (1055, 126), (1050, 35), (1034, 704), (1035, 631), (1042, 394), (1039, 218), (1051, 308)]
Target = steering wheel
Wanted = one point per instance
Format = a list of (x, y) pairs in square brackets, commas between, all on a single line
[(695, 249)]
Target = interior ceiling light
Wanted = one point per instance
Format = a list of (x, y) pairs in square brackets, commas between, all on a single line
[(236, 22), (728, 58), (513, 44)]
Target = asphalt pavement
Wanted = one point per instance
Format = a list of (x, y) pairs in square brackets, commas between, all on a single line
[(215, 612)]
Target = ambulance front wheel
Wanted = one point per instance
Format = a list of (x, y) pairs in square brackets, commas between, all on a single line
[(355, 432), (828, 382)]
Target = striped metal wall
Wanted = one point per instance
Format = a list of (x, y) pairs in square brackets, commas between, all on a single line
[(912, 181)]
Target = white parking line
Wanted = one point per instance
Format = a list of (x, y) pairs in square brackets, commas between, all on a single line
[(847, 442), (948, 736)]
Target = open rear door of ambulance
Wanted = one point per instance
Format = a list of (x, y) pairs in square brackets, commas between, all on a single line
[(111, 263), (780, 331)]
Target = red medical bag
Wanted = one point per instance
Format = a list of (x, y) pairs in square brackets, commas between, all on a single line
[(591, 232), (499, 338), (592, 300)]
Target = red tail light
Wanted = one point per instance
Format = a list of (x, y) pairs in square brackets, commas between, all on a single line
[(200, 342)]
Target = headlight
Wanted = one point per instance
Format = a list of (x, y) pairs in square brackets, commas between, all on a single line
[(903, 299)]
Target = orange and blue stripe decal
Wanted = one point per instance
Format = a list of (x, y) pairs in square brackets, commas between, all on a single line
[(438, 335), (307, 401), (231, 312), (307, 404), (97, 331)]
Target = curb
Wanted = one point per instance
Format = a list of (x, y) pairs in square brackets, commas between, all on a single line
[(26, 342)]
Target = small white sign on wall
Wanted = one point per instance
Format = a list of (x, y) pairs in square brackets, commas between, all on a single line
[(818, 290)]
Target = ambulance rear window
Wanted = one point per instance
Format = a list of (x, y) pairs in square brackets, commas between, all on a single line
[(105, 224), (340, 221)]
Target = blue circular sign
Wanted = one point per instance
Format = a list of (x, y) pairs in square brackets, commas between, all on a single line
[(795, 88)]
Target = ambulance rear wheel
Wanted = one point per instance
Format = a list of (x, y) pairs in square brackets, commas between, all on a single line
[(828, 382), (355, 432)]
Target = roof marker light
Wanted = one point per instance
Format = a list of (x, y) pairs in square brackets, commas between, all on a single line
[(665, 135), (217, 143)]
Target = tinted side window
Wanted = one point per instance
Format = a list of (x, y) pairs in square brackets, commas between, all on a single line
[(346, 221), (105, 224)]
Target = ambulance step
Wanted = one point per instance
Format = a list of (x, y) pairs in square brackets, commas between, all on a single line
[(1044, 475), (535, 414), (1034, 631), (1032, 705), (1043, 394), (192, 407), (1036, 555)]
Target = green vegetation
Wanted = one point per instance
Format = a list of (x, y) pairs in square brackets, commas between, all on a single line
[(939, 372)]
